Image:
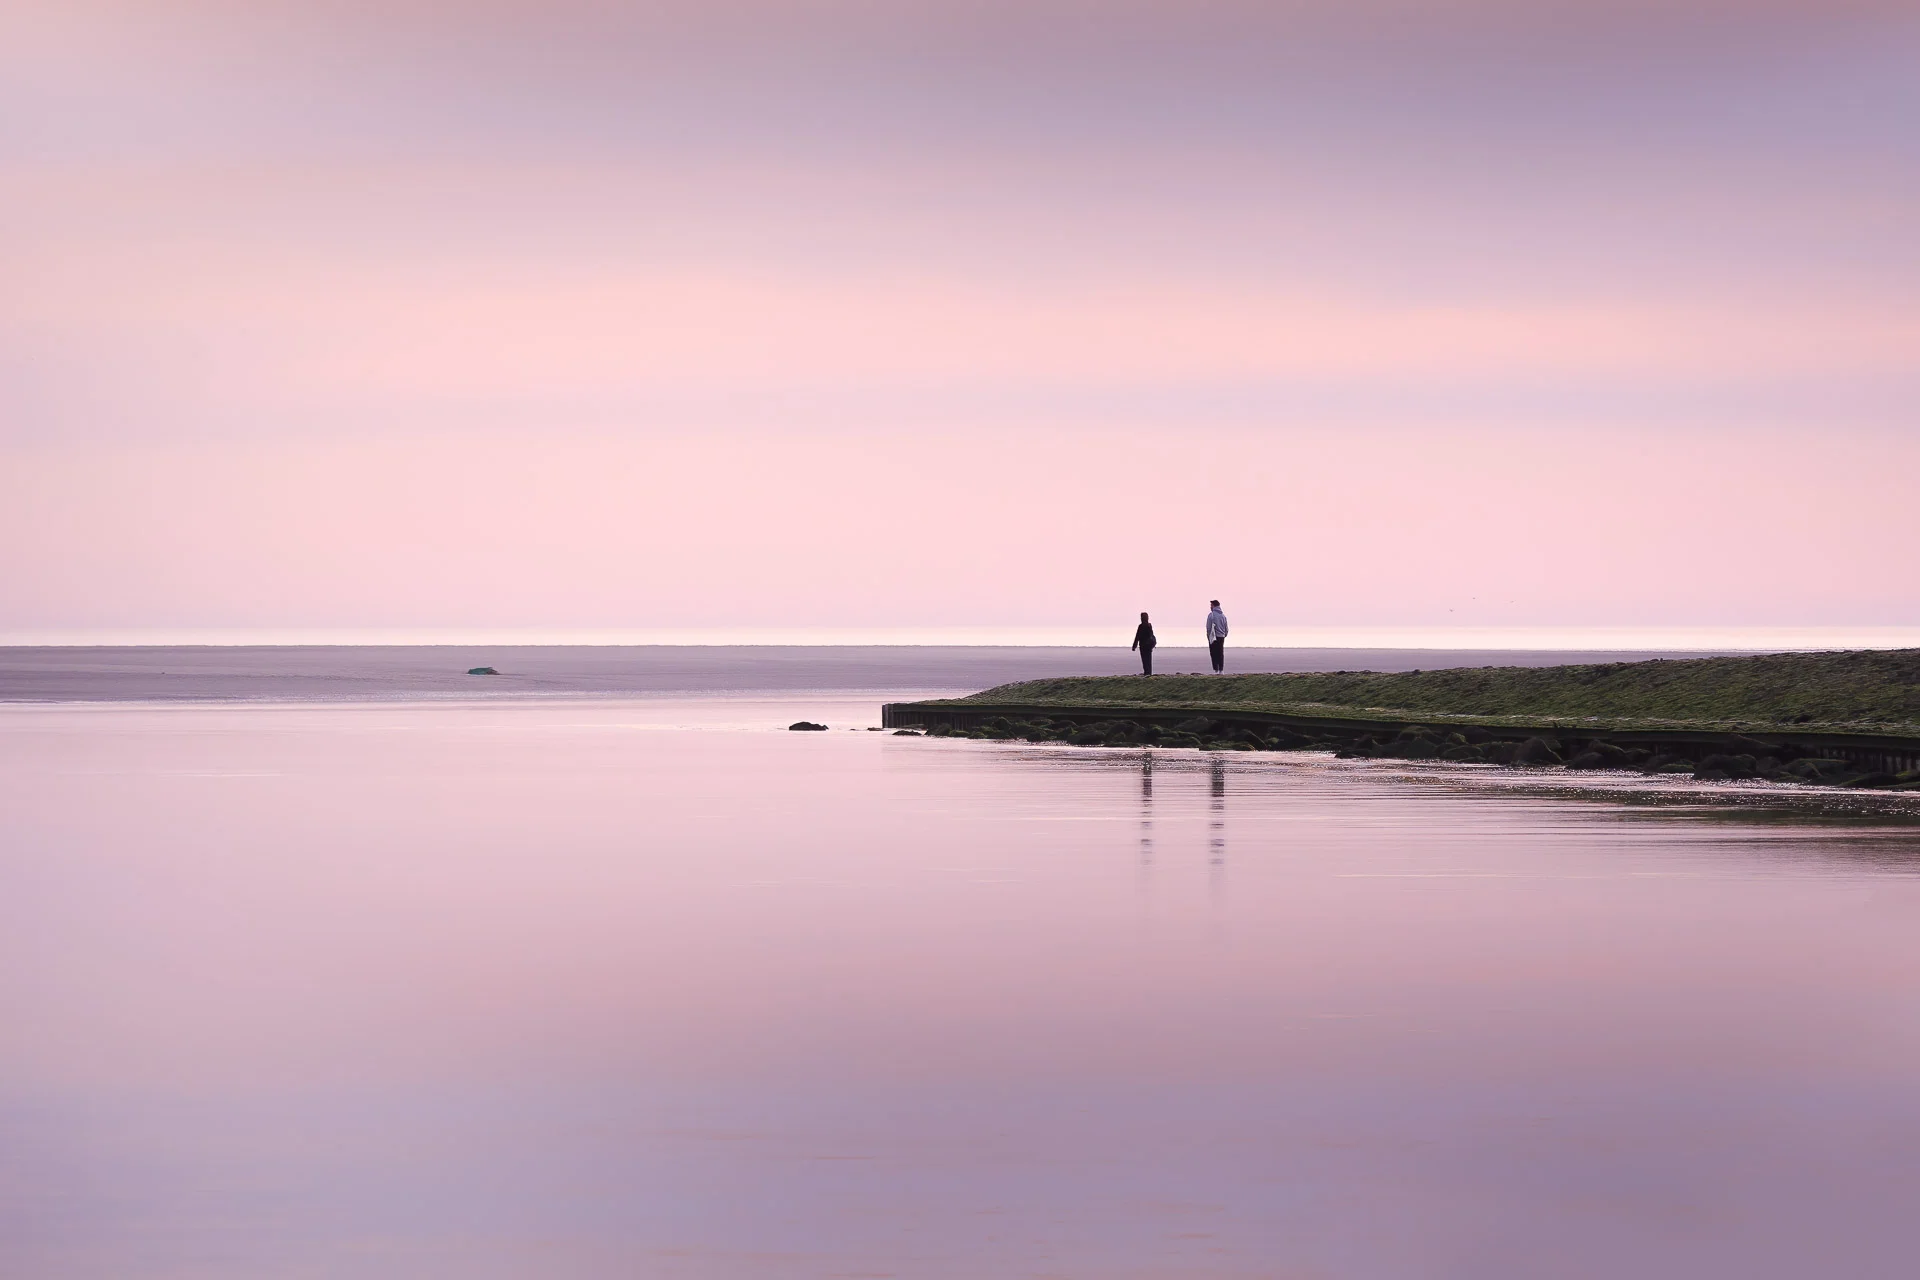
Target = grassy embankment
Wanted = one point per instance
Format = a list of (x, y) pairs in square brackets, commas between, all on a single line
[(1874, 692)]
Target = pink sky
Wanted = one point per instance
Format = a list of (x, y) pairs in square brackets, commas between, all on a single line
[(841, 315)]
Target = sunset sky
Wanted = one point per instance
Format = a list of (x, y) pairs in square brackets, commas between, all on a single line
[(681, 316)]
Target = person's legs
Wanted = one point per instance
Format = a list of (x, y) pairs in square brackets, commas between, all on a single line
[(1146, 659), (1218, 649)]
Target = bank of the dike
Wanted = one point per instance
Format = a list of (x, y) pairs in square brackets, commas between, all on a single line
[(1836, 719)]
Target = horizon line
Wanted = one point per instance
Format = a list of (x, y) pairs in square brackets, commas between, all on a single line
[(1511, 638)]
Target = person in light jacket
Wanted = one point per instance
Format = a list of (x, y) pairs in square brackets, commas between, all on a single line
[(1217, 637), (1143, 641)]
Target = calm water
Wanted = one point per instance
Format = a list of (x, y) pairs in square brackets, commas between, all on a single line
[(651, 989), (366, 673)]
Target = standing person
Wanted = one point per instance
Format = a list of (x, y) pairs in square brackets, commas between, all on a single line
[(1217, 637), (1143, 641)]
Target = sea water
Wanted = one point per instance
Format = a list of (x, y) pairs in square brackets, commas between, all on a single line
[(654, 987)]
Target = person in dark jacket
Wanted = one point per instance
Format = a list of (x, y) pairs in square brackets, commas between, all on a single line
[(1143, 641)]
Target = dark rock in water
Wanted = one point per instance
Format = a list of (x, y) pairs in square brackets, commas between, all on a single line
[(1675, 766), (1536, 751), (806, 726), (1474, 734), (1199, 726), (1815, 769), (1464, 753), (1725, 766), (1088, 736), (1588, 760), (482, 671), (1875, 780), (907, 733)]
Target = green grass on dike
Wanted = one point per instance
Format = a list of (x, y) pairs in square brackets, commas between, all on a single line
[(1872, 691)]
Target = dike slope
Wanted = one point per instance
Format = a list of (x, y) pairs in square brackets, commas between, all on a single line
[(1869, 691)]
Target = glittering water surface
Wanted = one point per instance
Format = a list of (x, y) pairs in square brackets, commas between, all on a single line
[(650, 989)]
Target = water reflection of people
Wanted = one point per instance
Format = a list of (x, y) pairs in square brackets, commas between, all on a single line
[(1217, 813), (1146, 808)]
